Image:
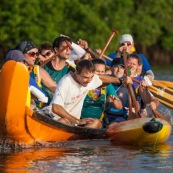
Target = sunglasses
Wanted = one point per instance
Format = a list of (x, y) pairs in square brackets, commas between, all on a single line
[(33, 54), (47, 54), (126, 44)]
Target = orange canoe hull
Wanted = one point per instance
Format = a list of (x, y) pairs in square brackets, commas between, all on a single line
[(18, 123)]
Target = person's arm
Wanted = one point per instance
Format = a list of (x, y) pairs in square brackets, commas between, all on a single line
[(146, 67), (116, 101), (109, 79), (60, 111), (38, 94), (150, 74), (77, 52), (113, 97), (47, 80), (156, 113)]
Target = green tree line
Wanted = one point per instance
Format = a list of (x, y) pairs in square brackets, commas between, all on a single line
[(150, 22)]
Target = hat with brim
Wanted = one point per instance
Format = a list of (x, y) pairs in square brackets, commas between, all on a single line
[(15, 55), (126, 38), (117, 62)]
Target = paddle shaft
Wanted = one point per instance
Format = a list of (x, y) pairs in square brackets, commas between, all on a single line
[(108, 42), (95, 55), (130, 89)]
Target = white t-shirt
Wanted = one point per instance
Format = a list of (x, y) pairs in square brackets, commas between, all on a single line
[(70, 94)]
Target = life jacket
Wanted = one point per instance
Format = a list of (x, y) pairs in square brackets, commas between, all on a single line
[(36, 75), (36, 72), (103, 93), (93, 106)]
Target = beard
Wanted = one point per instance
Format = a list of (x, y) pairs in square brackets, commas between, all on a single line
[(63, 57)]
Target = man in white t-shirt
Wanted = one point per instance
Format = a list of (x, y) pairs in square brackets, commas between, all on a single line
[(71, 91)]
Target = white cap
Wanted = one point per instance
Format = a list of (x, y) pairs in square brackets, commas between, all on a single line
[(125, 38)]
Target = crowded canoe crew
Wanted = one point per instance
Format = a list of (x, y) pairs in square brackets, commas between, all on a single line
[(72, 84)]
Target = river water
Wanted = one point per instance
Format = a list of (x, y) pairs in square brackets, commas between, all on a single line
[(92, 156)]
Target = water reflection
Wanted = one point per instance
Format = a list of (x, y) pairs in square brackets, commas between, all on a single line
[(88, 156)]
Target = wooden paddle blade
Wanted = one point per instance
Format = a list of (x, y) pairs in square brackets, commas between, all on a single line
[(166, 89), (163, 83), (162, 96)]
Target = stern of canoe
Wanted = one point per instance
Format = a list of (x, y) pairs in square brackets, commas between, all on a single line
[(132, 132)]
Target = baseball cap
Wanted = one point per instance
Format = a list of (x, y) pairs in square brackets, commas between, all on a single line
[(125, 38), (117, 62)]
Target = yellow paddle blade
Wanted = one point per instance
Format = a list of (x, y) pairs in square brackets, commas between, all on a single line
[(162, 96), (163, 83), (159, 84)]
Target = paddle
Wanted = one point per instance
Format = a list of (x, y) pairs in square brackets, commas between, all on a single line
[(162, 86), (95, 55), (160, 94), (108, 42), (130, 89), (163, 83)]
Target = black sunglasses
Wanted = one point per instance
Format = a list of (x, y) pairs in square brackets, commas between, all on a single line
[(47, 54)]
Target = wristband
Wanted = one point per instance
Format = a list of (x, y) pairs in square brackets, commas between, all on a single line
[(121, 81)]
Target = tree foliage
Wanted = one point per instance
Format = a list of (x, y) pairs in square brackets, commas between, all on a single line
[(149, 21)]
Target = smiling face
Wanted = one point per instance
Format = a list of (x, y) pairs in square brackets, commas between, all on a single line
[(117, 71)]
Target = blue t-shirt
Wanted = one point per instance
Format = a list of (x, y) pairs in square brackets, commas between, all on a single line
[(146, 66)]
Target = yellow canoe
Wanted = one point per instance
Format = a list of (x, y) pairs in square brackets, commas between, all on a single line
[(21, 125), (140, 131)]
